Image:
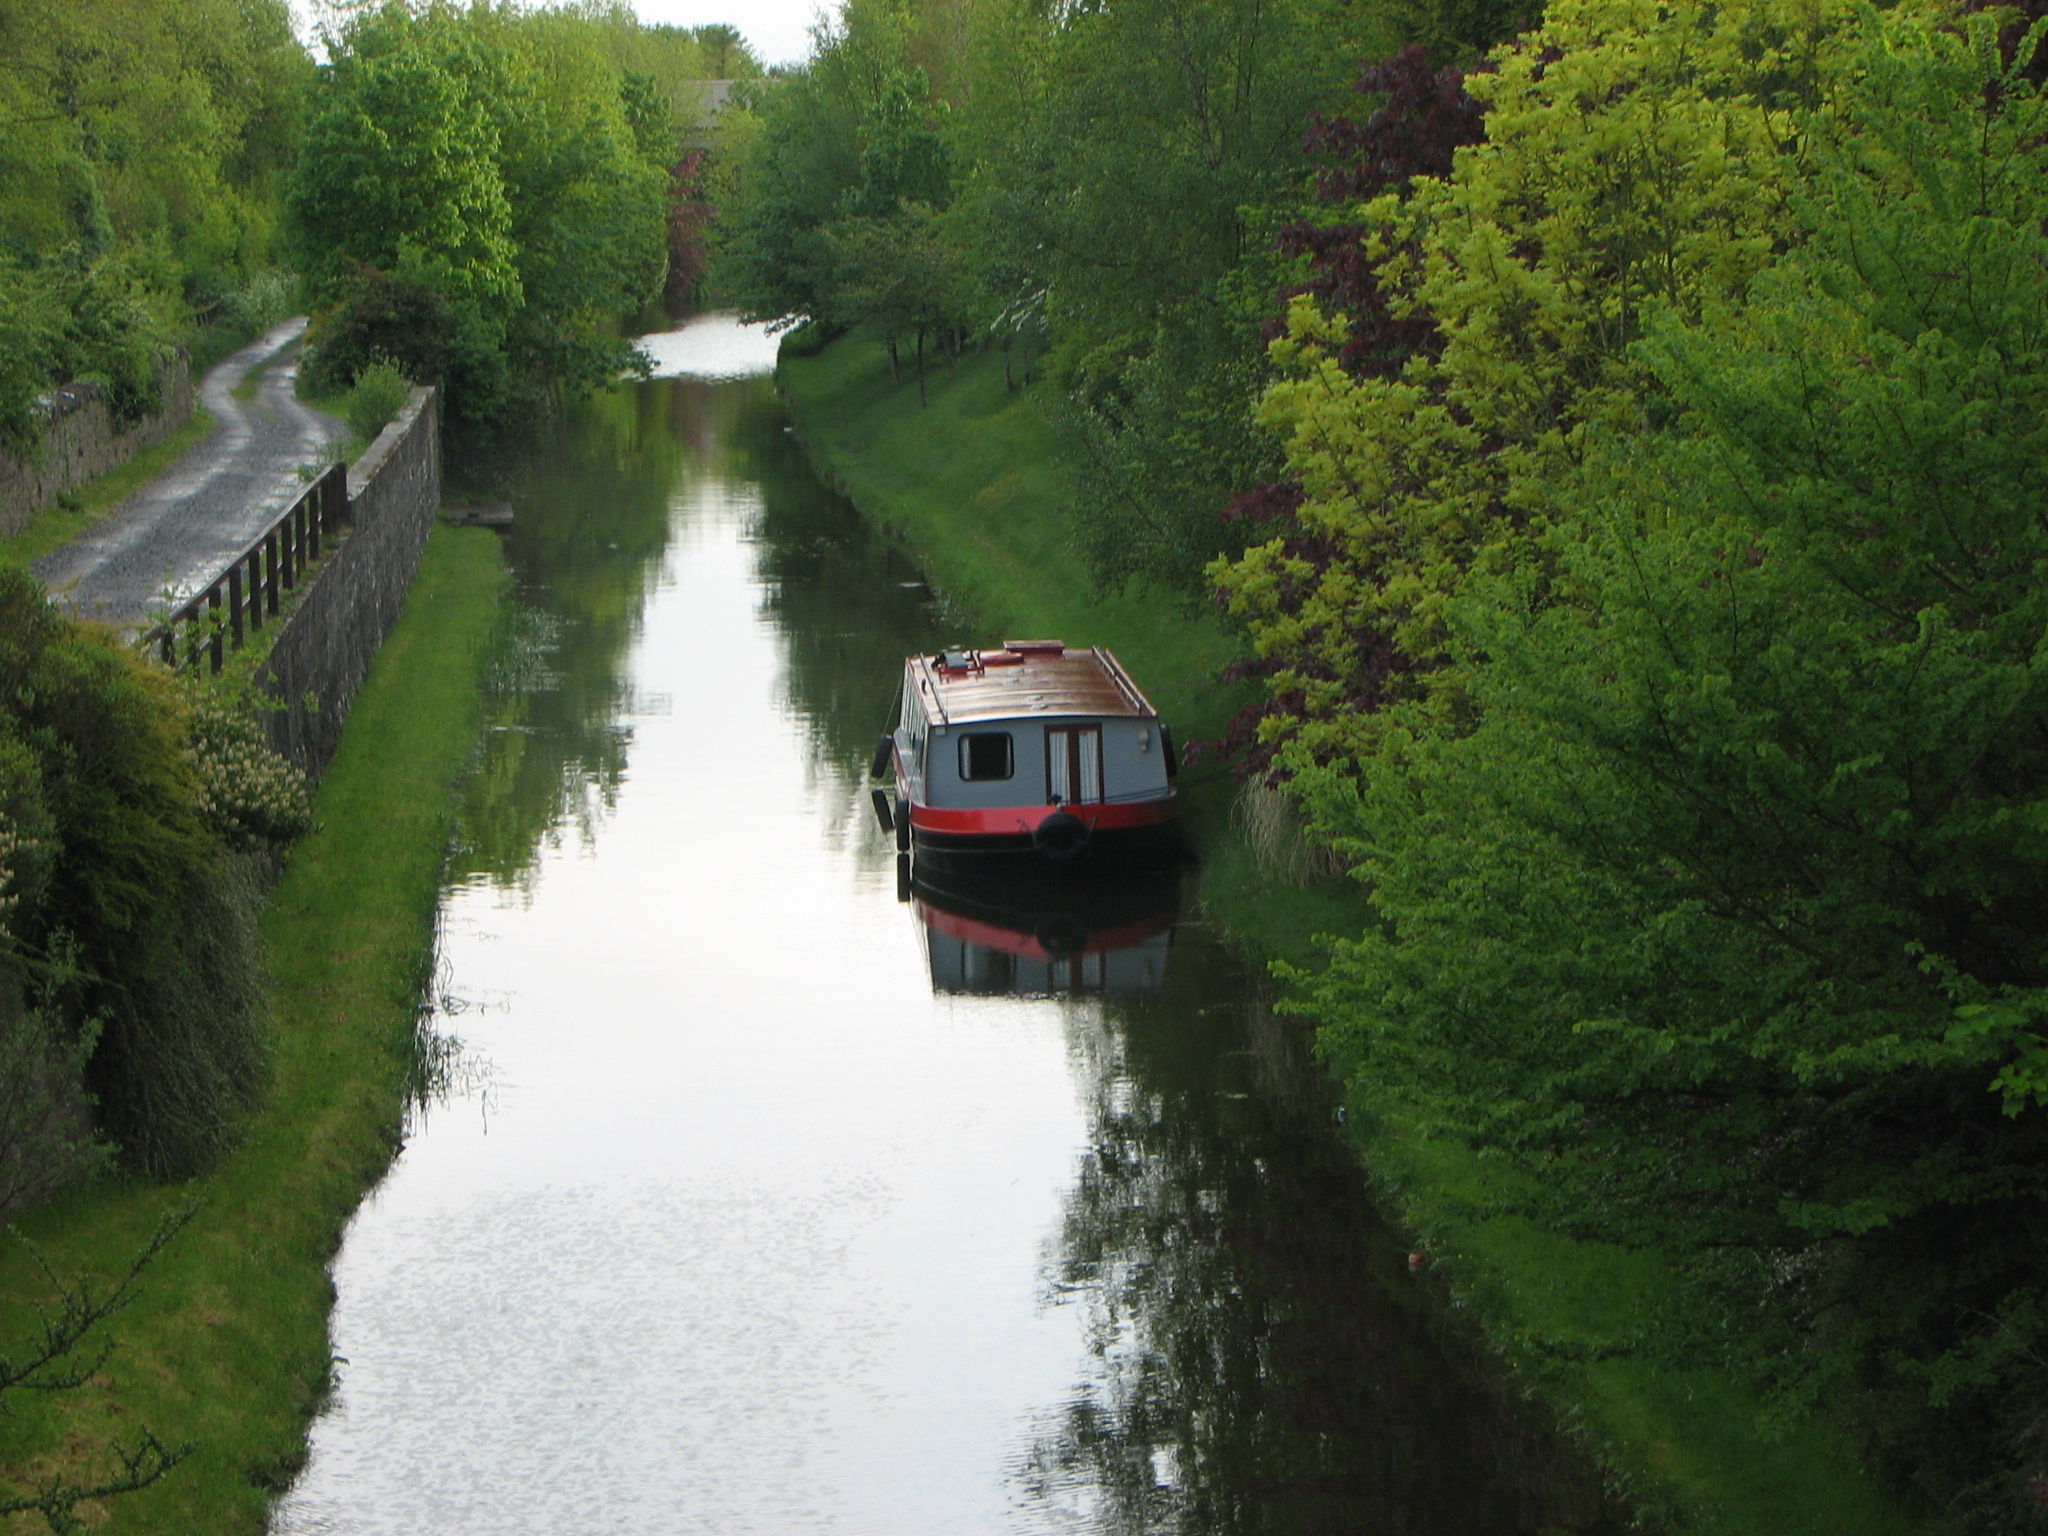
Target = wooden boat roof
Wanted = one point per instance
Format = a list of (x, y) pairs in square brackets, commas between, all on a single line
[(1022, 679)]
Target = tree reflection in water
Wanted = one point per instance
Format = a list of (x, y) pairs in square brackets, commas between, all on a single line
[(850, 603), (591, 525), (1263, 1360), (592, 516)]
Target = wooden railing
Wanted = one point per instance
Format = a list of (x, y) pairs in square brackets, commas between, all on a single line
[(251, 586)]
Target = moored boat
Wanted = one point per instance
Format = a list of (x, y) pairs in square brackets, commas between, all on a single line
[(1034, 751)]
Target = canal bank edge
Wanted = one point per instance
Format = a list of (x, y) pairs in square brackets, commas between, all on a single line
[(973, 483), (227, 1348)]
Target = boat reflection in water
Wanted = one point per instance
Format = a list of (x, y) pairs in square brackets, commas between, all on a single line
[(1021, 937)]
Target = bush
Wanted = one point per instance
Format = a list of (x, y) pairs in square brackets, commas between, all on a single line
[(267, 298), (46, 1138), (402, 318), (380, 315), (130, 910), (185, 1054), (379, 393)]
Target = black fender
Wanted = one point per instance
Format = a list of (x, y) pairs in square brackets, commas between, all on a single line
[(885, 754), (1061, 836)]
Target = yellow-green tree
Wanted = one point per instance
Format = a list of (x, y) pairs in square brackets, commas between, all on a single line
[(1636, 162), (143, 146)]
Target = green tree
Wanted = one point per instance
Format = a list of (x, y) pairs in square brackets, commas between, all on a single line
[(142, 145), (1716, 921), (1131, 163), (726, 54), (801, 157), (589, 201), (499, 173), (901, 275), (401, 161)]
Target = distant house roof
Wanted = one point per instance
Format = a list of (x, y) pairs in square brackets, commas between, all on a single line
[(716, 94), (702, 113)]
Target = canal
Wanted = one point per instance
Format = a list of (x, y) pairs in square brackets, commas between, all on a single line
[(750, 1196)]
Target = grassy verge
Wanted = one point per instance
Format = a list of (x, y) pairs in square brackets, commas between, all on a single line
[(252, 380), (64, 520), (227, 1347), (974, 482)]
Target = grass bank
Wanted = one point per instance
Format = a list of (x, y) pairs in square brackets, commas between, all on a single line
[(227, 1346), (975, 483)]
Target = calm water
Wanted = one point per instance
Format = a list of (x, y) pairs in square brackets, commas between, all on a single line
[(760, 1199)]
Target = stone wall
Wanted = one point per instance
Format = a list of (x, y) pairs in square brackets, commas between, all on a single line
[(345, 610), (80, 443)]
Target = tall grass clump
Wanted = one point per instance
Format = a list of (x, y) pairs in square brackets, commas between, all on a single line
[(1269, 819), (378, 394)]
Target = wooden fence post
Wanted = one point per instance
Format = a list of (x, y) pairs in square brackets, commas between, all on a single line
[(252, 586)]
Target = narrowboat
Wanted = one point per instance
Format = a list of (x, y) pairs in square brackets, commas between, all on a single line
[(1032, 752)]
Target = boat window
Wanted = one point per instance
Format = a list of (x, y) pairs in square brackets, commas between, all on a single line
[(986, 755)]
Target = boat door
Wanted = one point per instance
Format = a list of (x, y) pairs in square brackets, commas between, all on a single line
[(1073, 764)]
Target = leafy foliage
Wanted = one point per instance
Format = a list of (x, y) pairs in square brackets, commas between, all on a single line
[(1422, 119), (1098, 183), (142, 144), (1702, 832), (128, 911), (1631, 164), (45, 1133), (481, 197), (378, 394)]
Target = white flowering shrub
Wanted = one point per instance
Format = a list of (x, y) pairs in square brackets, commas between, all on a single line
[(250, 794)]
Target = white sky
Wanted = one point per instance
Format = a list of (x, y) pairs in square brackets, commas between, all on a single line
[(777, 30)]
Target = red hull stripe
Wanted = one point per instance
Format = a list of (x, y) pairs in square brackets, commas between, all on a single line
[(1025, 945), (1011, 819)]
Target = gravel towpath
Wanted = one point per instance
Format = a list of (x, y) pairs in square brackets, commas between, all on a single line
[(176, 533)]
